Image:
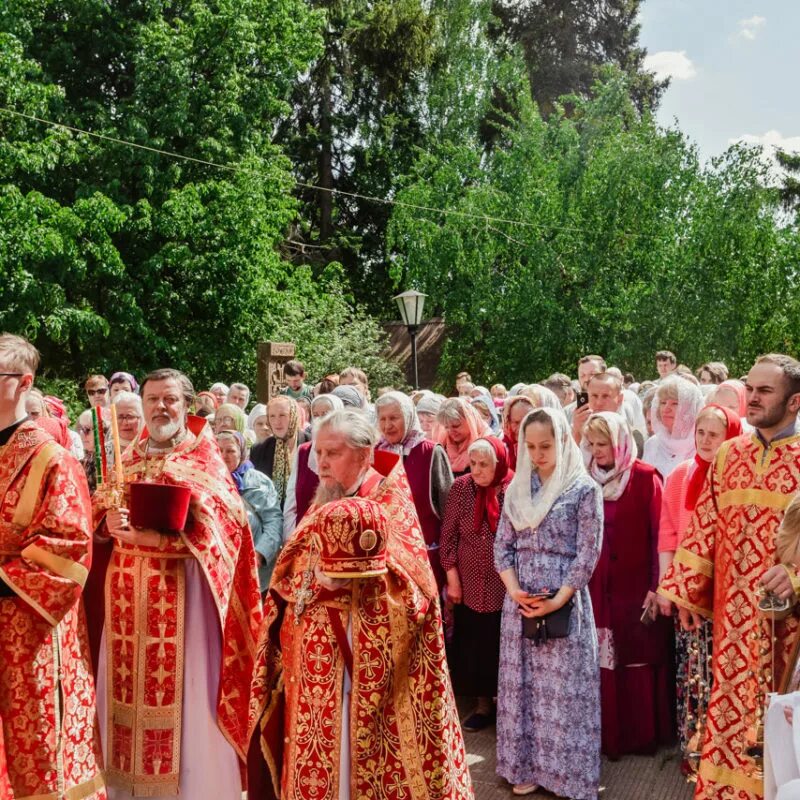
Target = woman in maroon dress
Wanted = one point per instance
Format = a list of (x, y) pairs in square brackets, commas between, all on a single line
[(473, 585), (427, 467), (635, 643)]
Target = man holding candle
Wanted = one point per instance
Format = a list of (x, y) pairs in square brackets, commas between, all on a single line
[(51, 747), (182, 613)]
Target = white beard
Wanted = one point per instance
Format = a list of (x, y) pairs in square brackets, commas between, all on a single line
[(163, 433)]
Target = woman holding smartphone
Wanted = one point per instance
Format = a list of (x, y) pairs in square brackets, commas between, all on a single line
[(547, 544)]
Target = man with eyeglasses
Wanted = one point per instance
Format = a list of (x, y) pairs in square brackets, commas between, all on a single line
[(96, 388), (48, 720)]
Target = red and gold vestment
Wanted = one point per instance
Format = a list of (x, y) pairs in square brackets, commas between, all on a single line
[(49, 733), (145, 614), (405, 737), (729, 545)]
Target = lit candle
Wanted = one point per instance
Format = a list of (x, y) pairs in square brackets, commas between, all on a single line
[(117, 448)]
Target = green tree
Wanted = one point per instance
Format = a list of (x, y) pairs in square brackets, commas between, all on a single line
[(115, 257)]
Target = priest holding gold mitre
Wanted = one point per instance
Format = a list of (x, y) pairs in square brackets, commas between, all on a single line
[(182, 611), (352, 696)]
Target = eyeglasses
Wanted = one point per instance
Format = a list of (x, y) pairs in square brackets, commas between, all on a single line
[(84, 430), (128, 417), (11, 374), (92, 392)]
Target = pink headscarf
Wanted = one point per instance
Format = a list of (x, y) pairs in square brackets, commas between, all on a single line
[(478, 429), (741, 393), (614, 480)]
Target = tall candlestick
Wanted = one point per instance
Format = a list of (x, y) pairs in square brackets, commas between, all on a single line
[(117, 448), (102, 434), (98, 461)]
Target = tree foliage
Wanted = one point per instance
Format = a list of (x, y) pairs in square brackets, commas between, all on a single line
[(621, 242), (113, 257)]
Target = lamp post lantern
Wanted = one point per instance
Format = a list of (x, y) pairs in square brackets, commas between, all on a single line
[(411, 304)]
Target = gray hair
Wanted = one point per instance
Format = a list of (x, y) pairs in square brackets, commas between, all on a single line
[(128, 397), (241, 387), (353, 425), (482, 447), (451, 410)]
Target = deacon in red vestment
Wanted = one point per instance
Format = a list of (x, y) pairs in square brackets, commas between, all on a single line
[(182, 614), (49, 743), (353, 696), (726, 558)]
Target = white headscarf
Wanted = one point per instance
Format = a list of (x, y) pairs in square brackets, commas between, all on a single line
[(666, 450), (430, 404), (524, 510), (336, 405), (413, 434), (614, 480), (259, 410), (540, 396)]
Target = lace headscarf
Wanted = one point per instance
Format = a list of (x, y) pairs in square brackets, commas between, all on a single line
[(526, 510), (284, 448), (412, 434), (680, 442), (614, 480)]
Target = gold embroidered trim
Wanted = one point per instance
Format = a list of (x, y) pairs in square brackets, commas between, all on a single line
[(51, 620), (694, 562), (66, 568), (79, 792), (731, 777), (679, 601), (33, 484), (756, 497)]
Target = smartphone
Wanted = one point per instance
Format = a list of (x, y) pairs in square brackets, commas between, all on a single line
[(646, 618), (583, 399)]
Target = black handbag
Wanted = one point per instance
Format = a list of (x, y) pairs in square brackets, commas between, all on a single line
[(554, 625)]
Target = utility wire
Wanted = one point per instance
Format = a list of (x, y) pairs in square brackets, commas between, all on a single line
[(355, 195)]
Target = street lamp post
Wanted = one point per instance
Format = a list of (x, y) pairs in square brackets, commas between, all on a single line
[(411, 304)]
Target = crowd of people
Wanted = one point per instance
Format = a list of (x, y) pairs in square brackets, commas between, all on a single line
[(604, 566)]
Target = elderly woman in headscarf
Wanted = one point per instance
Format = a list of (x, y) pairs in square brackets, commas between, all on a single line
[(350, 396), (274, 456), (229, 417), (122, 382), (427, 408), (426, 465), (304, 477), (460, 425), (546, 548), (260, 502), (636, 696), (473, 585), (258, 422), (676, 404)]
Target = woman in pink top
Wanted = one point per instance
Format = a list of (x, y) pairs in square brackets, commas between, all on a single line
[(713, 425)]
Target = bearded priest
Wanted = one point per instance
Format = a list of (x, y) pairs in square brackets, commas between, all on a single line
[(49, 743), (353, 696), (182, 611)]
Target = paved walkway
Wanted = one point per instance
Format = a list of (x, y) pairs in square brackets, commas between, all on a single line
[(630, 778)]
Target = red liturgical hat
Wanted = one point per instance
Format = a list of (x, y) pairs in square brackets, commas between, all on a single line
[(160, 506), (353, 533)]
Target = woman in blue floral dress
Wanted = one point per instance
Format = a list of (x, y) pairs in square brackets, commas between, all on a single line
[(549, 537)]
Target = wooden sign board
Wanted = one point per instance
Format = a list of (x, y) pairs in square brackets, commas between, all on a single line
[(272, 358)]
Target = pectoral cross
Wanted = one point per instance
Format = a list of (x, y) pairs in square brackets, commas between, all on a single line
[(302, 595)]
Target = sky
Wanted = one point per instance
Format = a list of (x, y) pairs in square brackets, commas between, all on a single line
[(735, 67)]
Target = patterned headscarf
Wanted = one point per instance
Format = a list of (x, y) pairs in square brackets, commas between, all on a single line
[(413, 433), (284, 448), (615, 480), (459, 454)]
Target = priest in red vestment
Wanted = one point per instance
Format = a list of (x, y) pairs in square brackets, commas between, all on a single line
[(182, 613), (726, 559), (49, 743), (353, 697)]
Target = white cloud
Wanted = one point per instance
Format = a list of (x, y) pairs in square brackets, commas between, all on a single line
[(770, 140), (749, 28), (673, 64)]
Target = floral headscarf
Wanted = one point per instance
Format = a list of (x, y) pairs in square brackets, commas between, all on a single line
[(615, 480), (413, 433)]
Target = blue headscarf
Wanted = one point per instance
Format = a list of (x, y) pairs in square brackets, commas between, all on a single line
[(486, 400)]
